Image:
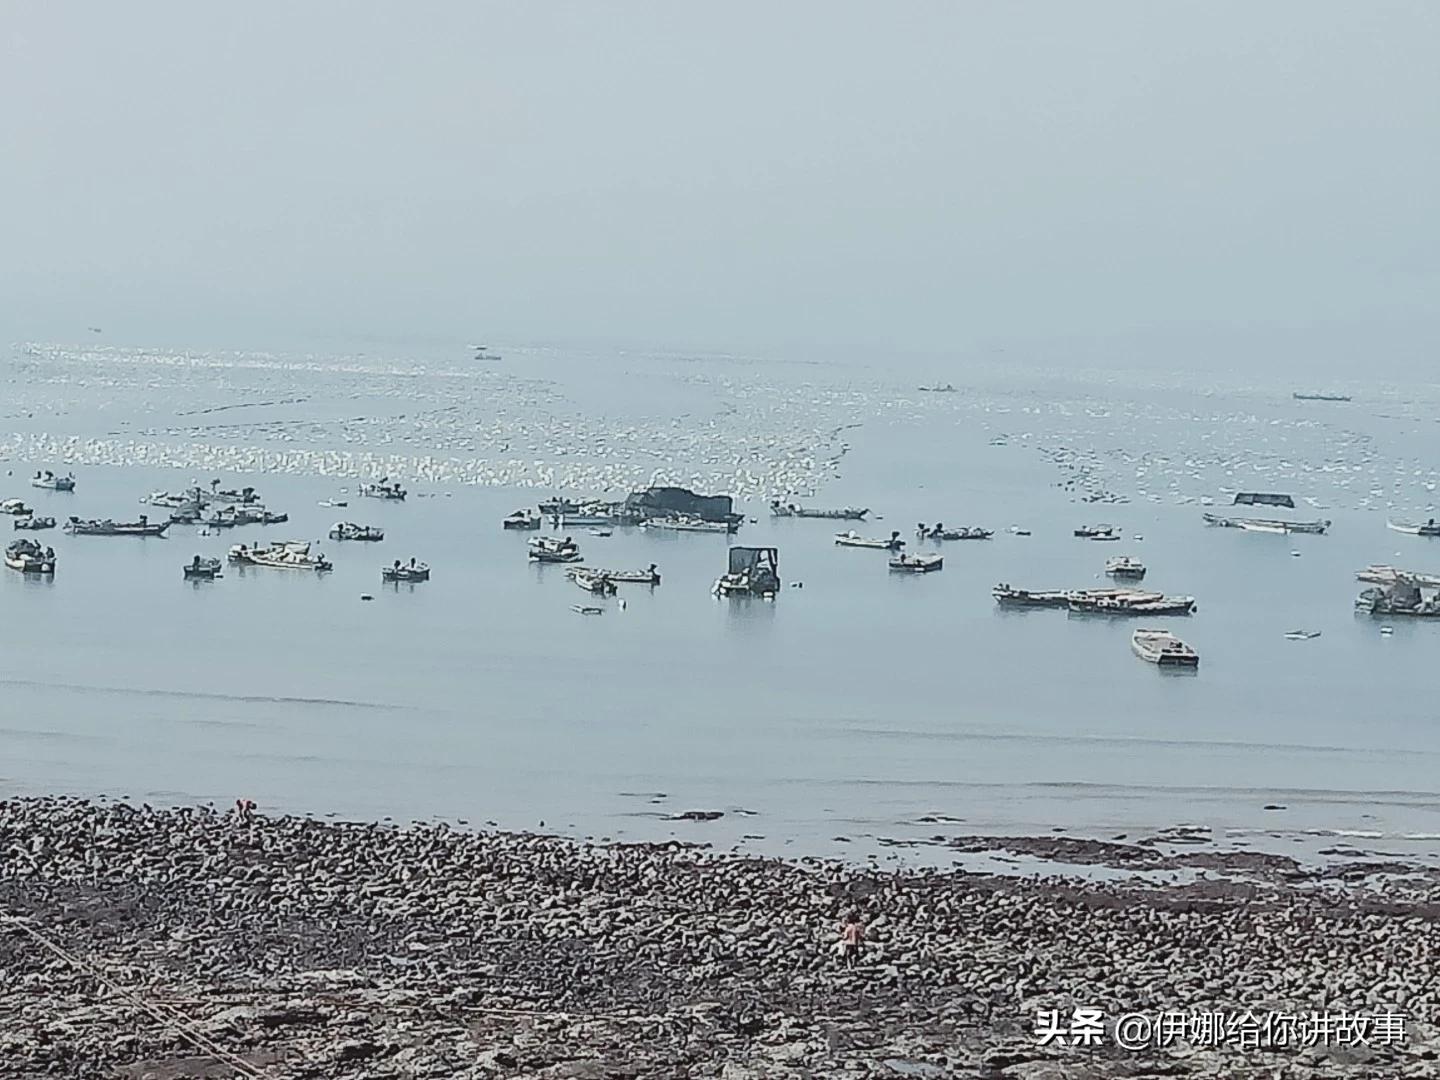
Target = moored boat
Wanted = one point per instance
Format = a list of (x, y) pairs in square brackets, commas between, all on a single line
[(53, 482), (687, 523), (1098, 532), (1405, 597), (592, 581), (106, 527), (398, 571), (29, 557), (348, 530), (16, 507), (1105, 605), (383, 489), (34, 523), (1058, 598), (554, 549), (844, 513), (282, 555), (201, 568), (854, 539), (753, 571), (525, 519), (938, 531), (1124, 566), (916, 564), (1429, 528), (649, 576), (1270, 525), (1380, 574), (1163, 648), (245, 496)]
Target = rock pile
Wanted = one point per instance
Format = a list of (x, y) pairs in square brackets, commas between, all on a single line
[(322, 949)]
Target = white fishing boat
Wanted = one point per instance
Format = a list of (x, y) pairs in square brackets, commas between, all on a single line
[(53, 482), (1163, 648), (405, 572), (284, 555), (1125, 567), (916, 564), (854, 539), (348, 530), (29, 557), (1429, 528), (383, 489), (685, 523), (1262, 527), (14, 506)]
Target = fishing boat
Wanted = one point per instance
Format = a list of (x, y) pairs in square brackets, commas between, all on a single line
[(1429, 528), (1302, 635), (1125, 567), (602, 533), (33, 523), (348, 530), (551, 507), (587, 609), (282, 555), (844, 513), (752, 571), (186, 515), (854, 539), (592, 581), (195, 497), (333, 503), (526, 519), (245, 496), (1266, 525), (582, 518), (687, 523), (1059, 598), (1098, 532), (916, 564), (143, 527), (29, 557), (383, 489), (938, 531), (201, 568), (1163, 648), (399, 571), (1105, 605), (1404, 597), (52, 482), (650, 576), (16, 507), (937, 389), (554, 549), (1379, 574), (1320, 397)]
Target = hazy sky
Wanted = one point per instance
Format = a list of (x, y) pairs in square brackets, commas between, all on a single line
[(922, 175)]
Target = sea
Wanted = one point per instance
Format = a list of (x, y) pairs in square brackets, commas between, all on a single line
[(859, 713)]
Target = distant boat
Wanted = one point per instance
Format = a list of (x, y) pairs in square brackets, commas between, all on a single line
[(402, 572), (16, 507), (686, 523), (592, 581), (143, 527), (1320, 397), (553, 549), (854, 539), (33, 523), (525, 519), (29, 557), (383, 489), (1098, 532), (1125, 567), (844, 513), (284, 555), (202, 569), (650, 576), (916, 564), (1266, 525), (1430, 528), (52, 482), (939, 532), (348, 530), (938, 389), (1302, 635), (1163, 648)]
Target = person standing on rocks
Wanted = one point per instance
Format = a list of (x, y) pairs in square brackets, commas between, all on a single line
[(852, 937)]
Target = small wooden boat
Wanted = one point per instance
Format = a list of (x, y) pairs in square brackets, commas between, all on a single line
[(383, 489), (1266, 525), (1302, 635), (16, 507), (348, 530), (1429, 528), (587, 609), (844, 513), (29, 557), (685, 523), (526, 520), (554, 549), (399, 571), (937, 389), (333, 503), (582, 518), (143, 527), (34, 524), (938, 531), (1098, 532), (854, 539), (1103, 605), (1125, 567), (202, 569), (1059, 598), (649, 576), (916, 564), (1163, 648), (52, 482), (285, 555), (245, 496), (230, 516), (1320, 397), (592, 581)]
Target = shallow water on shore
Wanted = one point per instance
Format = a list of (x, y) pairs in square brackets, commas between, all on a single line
[(844, 712)]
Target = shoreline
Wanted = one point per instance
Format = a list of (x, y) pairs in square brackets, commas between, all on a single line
[(361, 949)]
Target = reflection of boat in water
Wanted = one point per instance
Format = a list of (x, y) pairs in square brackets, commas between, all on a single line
[(348, 530), (1266, 525), (52, 482), (939, 532), (398, 571), (844, 513), (1125, 567), (285, 555), (917, 564), (855, 540), (1429, 528), (203, 569), (1098, 532), (34, 524), (1163, 648), (554, 549), (29, 557), (143, 527)]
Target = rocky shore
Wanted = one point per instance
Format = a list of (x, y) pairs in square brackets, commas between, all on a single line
[(292, 947)]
